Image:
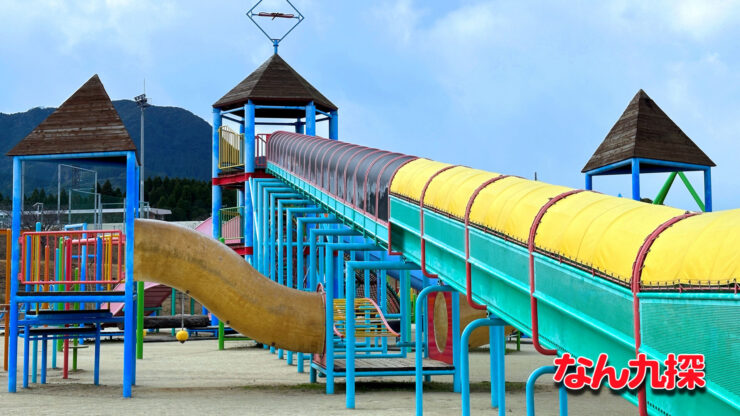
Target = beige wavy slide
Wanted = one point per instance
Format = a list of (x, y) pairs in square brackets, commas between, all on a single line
[(228, 286)]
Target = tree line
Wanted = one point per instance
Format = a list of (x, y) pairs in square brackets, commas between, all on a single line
[(188, 199)]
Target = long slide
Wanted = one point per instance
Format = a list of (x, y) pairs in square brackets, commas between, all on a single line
[(584, 273)]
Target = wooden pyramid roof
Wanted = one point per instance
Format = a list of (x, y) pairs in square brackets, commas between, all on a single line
[(274, 83), (645, 131), (86, 123)]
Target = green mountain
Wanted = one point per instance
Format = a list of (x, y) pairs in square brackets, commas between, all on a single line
[(178, 145)]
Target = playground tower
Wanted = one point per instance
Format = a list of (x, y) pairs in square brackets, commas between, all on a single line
[(646, 140), (273, 95)]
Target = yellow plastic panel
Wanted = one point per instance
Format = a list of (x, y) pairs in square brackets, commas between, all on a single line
[(600, 231), (411, 177), (509, 206), (700, 250), (450, 190)]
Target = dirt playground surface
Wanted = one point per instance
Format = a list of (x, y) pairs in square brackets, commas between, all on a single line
[(196, 378)]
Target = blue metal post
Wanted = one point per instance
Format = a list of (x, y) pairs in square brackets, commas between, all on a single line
[(289, 278), (259, 196), (267, 225), (300, 245), (708, 189), (129, 338), (299, 260), (497, 349), (334, 125), (589, 182), (349, 327), (405, 296), (311, 119), (276, 234), (456, 385), (35, 360), (249, 149), (329, 287), (312, 250), (287, 246), (96, 366), (636, 179), (215, 189), (26, 348), (329, 340), (14, 267), (349, 278), (421, 306), (44, 345), (299, 126), (562, 394)]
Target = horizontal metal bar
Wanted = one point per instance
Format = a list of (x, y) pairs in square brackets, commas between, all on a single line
[(86, 155), (233, 110), (273, 123), (234, 119), (680, 165), (69, 299), (611, 166), (280, 107), (88, 320)]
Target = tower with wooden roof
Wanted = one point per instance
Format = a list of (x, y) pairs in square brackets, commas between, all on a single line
[(274, 94), (85, 127), (646, 140)]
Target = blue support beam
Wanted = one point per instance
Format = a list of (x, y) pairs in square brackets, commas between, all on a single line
[(14, 269), (299, 125), (215, 189), (129, 340), (562, 391), (636, 179), (334, 125), (311, 119), (708, 189), (420, 346), (349, 278), (329, 287), (497, 351), (249, 155)]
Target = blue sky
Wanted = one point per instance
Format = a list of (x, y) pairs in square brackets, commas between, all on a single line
[(508, 86)]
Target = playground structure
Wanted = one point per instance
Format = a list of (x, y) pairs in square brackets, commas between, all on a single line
[(53, 268), (322, 227)]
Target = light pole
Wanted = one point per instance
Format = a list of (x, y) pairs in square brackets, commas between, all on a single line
[(143, 103)]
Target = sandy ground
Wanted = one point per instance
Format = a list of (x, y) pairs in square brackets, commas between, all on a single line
[(196, 378)]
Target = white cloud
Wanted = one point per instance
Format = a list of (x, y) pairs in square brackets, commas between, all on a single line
[(400, 19), (697, 19), (121, 24)]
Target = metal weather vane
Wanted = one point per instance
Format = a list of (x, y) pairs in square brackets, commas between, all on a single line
[(275, 15)]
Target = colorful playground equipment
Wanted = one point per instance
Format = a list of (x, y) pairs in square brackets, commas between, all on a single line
[(322, 229), (59, 279)]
